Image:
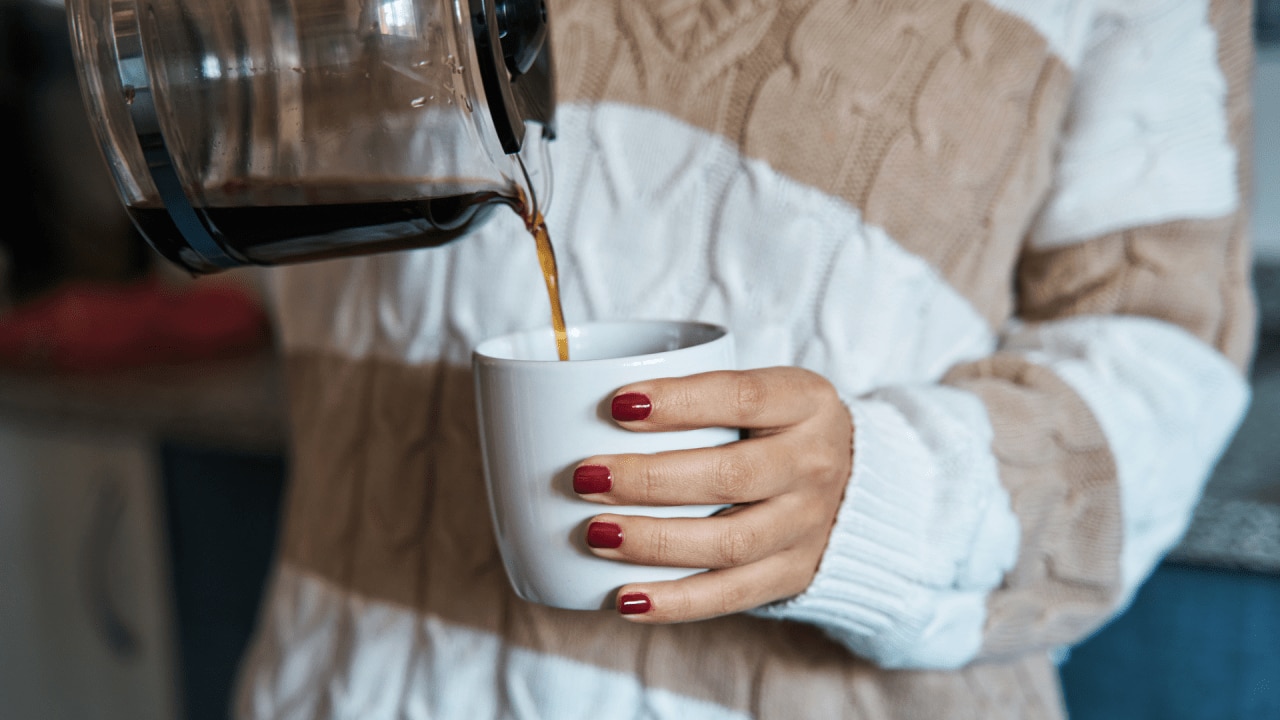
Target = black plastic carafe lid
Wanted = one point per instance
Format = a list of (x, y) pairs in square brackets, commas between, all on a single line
[(515, 66)]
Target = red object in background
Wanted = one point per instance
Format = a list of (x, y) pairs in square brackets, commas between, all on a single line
[(96, 327)]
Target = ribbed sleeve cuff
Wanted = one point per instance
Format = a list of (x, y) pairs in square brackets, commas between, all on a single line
[(896, 583)]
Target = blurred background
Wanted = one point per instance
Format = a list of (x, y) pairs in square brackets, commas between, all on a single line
[(142, 454)]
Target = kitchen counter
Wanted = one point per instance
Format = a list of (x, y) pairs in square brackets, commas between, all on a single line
[(1237, 524), (239, 406), (235, 404)]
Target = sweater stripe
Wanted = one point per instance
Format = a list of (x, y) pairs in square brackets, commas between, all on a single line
[(321, 650), (1065, 23), (379, 660), (1167, 404), (1146, 140), (1187, 273), (872, 103)]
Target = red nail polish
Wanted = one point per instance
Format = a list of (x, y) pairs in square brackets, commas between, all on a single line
[(590, 479), (631, 406), (634, 604), (604, 535)]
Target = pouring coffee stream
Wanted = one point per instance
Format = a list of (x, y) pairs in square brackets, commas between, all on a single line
[(537, 227)]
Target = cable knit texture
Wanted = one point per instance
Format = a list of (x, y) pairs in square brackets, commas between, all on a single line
[(1009, 234), (1146, 131), (925, 532)]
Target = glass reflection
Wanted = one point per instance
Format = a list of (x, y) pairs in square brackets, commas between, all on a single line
[(397, 17)]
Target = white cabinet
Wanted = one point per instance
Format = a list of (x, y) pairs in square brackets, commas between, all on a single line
[(85, 616)]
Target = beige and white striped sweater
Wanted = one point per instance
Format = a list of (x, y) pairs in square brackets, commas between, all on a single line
[(1008, 231)]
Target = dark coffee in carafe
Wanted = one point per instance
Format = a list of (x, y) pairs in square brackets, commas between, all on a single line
[(318, 221)]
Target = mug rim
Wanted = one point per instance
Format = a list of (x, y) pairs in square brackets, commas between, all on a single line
[(482, 356)]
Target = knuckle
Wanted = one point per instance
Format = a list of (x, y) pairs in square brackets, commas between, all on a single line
[(732, 478), (678, 399), (678, 605), (802, 572), (816, 522), (660, 543), (816, 385), (793, 583), (821, 462), (750, 396), (731, 598), (651, 479), (738, 545)]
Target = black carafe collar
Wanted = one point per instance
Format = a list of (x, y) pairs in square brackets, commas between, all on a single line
[(514, 54)]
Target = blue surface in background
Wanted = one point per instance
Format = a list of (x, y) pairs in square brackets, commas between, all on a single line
[(223, 518), (1196, 643)]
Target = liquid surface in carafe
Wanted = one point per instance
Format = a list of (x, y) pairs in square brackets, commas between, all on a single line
[(272, 222)]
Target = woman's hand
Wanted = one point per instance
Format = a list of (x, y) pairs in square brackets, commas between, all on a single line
[(784, 481)]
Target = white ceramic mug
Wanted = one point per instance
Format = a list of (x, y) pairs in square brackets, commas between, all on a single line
[(540, 418)]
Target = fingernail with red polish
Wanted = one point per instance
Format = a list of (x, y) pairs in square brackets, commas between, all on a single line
[(604, 535), (631, 406), (590, 479), (634, 604)]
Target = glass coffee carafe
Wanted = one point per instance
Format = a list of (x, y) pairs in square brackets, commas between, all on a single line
[(275, 131)]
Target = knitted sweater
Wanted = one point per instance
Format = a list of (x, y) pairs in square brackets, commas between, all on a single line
[(1008, 231)]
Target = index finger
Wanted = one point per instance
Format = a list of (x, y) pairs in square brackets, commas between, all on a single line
[(752, 399)]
